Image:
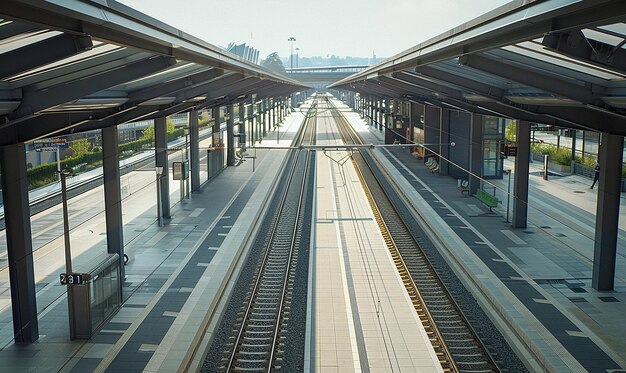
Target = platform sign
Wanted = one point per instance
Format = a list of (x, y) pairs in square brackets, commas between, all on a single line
[(72, 278), (180, 170), (50, 145), (510, 151)]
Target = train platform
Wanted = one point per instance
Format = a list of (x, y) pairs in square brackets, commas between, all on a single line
[(173, 281), (360, 316), (535, 283)]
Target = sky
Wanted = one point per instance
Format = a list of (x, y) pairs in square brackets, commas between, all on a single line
[(357, 28)]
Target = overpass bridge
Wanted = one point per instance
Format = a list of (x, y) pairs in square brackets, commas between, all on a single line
[(319, 77)]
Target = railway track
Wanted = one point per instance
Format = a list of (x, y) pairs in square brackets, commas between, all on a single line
[(456, 343), (263, 333), (257, 344)]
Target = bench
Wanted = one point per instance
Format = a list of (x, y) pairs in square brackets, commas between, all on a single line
[(486, 198), (463, 186), (79, 168), (432, 164)]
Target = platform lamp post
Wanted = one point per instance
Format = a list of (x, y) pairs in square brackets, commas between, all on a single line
[(63, 174), (159, 172), (508, 194), (297, 57), (66, 224), (291, 40), (186, 160)]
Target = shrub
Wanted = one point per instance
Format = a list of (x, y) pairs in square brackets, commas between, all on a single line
[(589, 161), (46, 173), (135, 145), (560, 156)]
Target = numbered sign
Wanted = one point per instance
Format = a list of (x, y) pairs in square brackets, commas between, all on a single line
[(71, 278)]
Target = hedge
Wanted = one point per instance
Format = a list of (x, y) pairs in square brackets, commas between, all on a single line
[(46, 173), (561, 156)]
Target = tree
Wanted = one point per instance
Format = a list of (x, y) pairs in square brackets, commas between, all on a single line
[(148, 132), (273, 63), (511, 131), (79, 147)]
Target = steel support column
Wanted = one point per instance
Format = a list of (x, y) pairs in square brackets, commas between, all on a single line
[(520, 187), (385, 121), (265, 115), (444, 140), (476, 147), (381, 113), (393, 123), (242, 121), (19, 243), (607, 212), (251, 116), (284, 109), (215, 129), (194, 150), (112, 194), (271, 122), (160, 145), (280, 110), (230, 136)]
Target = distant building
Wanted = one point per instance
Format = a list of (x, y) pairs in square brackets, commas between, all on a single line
[(244, 51)]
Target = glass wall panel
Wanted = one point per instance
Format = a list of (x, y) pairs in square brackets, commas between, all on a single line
[(493, 135)]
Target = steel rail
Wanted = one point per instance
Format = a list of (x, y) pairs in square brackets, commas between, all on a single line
[(272, 248)]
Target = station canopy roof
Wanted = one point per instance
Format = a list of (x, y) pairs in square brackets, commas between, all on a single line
[(556, 62), (77, 65)]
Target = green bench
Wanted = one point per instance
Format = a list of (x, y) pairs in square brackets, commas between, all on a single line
[(486, 198), (79, 168)]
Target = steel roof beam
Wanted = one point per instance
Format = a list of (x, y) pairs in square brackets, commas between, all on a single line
[(427, 84), (580, 117), (509, 24), (81, 69), (257, 88), (154, 111), (35, 101), (39, 127), (398, 85), (378, 89), (356, 88), (41, 53), (584, 117), (573, 43), (544, 82), (276, 90), (462, 82), (511, 111), (167, 88), (73, 122), (119, 24), (211, 95), (16, 28), (221, 85)]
